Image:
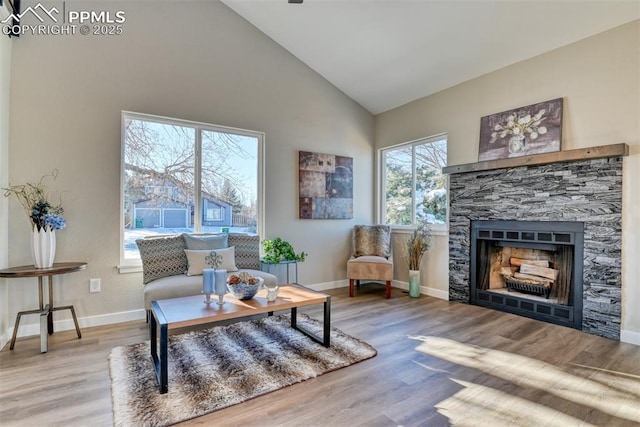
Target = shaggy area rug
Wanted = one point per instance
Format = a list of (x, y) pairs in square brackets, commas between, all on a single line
[(218, 367)]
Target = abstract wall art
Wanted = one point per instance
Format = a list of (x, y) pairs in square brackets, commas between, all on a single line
[(326, 186)]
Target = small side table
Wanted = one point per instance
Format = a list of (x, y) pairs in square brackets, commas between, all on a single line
[(288, 263), (45, 311)]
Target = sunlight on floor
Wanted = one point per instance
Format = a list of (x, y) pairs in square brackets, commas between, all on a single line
[(624, 382), (606, 391), (478, 406)]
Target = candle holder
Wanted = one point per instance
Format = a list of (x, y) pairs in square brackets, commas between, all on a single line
[(208, 284), (220, 285), (220, 299)]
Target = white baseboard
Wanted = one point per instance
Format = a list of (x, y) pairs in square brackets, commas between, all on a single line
[(29, 329), (437, 293), (424, 290), (329, 285), (4, 339), (630, 337)]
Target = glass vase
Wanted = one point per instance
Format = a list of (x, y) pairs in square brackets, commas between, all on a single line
[(414, 283)]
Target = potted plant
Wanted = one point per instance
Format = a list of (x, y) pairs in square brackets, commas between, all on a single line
[(277, 250), (416, 245)]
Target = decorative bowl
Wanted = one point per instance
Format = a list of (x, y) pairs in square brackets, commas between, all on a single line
[(244, 290)]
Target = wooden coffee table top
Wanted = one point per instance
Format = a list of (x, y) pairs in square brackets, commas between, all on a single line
[(191, 311)]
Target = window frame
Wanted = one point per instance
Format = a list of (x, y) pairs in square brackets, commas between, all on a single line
[(130, 265), (436, 229)]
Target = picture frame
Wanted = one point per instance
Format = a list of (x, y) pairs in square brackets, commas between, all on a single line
[(325, 186), (522, 131)]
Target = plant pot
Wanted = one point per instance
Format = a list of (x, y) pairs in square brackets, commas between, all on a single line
[(414, 283), (43, 247)]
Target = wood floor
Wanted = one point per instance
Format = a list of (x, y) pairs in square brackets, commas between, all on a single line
[(438, 364)]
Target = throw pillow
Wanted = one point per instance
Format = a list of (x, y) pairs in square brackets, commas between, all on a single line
[(197, 260), (372, 240), (214, 241), (161, 257), (247, 250)]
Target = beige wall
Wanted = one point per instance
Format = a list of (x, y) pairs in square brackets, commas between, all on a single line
[(198, 62), (599, 79), (5, 74), (434, 268)]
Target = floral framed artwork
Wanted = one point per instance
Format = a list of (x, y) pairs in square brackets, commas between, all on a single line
[(534, 129), (326, 186)]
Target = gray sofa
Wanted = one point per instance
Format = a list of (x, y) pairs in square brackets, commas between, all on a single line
[(172, 265)]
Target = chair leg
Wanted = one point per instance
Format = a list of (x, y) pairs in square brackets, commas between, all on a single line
[(350, 287), (388, 289)]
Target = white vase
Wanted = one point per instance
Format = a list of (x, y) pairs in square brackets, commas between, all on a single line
[(43, 247), (414, 283), (516, 144)]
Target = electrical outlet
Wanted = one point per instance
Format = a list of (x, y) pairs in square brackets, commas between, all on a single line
[(94, 285)]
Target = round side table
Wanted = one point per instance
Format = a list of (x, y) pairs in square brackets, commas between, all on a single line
[(45, 311)]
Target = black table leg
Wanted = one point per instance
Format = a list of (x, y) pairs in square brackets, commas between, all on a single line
[(153, 339), (159, 360), (294, 317), (50, 315), (164, 350), (327, 322), (326, 332)]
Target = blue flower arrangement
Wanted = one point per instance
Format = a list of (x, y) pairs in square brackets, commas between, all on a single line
[(34, 199), (54, 221)]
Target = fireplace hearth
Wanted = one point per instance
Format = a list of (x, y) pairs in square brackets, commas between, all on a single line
[(530, 268)]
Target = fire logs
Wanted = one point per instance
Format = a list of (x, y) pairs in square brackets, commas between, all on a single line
[(532, 276)]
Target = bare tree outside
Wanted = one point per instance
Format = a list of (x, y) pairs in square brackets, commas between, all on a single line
[(222, 156), (160, 167), (157, 156)]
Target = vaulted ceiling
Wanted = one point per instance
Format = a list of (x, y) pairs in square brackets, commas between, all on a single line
[(386, 53)]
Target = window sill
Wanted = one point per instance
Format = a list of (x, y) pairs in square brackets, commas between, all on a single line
[(440, 230), (129, 268)]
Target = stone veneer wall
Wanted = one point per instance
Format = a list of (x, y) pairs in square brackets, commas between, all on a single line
[(589, 191)]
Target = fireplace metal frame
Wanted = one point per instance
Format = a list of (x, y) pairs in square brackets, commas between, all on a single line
[(543, 235)]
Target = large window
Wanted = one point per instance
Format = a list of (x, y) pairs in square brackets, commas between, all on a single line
[(413, 188), (180, 176)]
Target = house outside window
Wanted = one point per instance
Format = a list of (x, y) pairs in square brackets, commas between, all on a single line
[(413, 190), (181, 176)]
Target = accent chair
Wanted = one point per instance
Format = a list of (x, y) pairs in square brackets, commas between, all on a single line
[(372, 258)]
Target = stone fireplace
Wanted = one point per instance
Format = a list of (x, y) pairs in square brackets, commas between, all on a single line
[(583, 194)]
